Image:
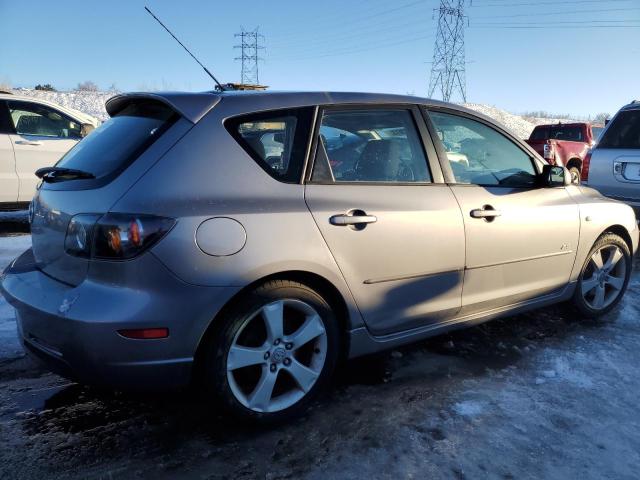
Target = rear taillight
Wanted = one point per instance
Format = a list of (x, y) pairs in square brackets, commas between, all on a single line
[(584, 174), (115, 236), (549, 154)]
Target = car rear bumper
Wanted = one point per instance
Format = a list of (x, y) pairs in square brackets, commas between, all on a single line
[(74, 330)]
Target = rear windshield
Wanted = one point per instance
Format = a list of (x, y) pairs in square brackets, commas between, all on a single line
[(118, 142), (558, 132), (624, 131)]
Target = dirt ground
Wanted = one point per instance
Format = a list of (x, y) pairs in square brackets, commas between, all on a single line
[(541, 395)]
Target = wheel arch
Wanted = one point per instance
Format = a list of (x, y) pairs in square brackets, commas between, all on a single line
[(574, 162), (319, 283), (621, 231)]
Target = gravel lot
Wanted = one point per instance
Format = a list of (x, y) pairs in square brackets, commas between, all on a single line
[(541, 395)]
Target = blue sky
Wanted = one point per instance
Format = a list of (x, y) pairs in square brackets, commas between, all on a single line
[(564, 56)]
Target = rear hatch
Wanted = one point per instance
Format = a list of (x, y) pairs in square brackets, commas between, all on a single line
[(116, 154)]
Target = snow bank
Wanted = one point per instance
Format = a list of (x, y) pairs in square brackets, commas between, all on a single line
[(91, 103)]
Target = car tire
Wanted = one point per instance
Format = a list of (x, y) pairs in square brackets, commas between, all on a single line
[(252, 354), (604, 276), (575, 175)]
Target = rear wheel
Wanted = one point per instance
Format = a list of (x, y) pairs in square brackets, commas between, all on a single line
[(276, 351), (575, 175), (604, 277)]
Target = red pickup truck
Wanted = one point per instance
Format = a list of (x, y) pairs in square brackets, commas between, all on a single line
[(566, 144)]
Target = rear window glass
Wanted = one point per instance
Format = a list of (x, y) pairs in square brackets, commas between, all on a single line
[(624, 131), (559, 132), (119, 141), (276, 140)]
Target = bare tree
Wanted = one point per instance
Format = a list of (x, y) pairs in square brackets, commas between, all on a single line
[(87, 86), (601, 117)]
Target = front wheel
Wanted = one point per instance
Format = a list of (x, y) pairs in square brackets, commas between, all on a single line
[(604, 277), (276, 351)]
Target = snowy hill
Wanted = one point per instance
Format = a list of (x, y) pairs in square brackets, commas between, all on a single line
[(93, 104)]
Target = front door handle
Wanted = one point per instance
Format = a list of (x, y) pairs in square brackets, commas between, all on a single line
[(356, 218), (487, 212), (28, 142)]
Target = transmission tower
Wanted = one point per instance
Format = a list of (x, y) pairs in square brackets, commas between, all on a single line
[(249, 47), (448, 68)]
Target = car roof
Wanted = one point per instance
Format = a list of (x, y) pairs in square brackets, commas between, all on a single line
[(194, 106), (78, 115), (632, 106)]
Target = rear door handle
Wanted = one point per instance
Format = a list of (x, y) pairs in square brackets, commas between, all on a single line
[(28, 142), (345, 219), (486, 212)]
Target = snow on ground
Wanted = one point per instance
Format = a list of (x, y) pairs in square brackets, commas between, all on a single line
[(93, 104), (10, 248)]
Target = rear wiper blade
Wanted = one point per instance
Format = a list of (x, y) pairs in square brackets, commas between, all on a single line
[(60, 174)]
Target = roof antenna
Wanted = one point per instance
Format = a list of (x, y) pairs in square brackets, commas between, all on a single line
[(218, 84)]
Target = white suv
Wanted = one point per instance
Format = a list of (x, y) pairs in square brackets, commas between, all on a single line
[(33, 134)]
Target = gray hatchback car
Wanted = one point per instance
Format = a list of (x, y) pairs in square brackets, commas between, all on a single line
[(251, 241)]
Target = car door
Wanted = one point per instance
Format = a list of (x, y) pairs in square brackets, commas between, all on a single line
[(521, 238), (8, 176), (41, 136), (392, 225)]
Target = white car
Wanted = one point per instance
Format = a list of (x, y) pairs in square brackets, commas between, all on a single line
[(34, 133)]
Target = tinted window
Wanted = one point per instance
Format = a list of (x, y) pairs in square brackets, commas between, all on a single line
[(559, 132), (624, 131), (277, 140), (377, 145), (34, 119), (120, 140), (481, 155)]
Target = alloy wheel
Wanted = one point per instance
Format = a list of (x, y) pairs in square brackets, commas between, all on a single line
[(604, 277), (277, 355)]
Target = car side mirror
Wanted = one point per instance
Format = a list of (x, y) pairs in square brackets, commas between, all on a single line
[(555, 176), (86, 129)]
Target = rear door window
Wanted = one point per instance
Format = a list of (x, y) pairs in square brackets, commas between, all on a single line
[(624, 131), (277, 140), (376, 145), (119, 141)]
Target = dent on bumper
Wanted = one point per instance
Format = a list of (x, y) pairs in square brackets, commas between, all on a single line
[(73, 330)]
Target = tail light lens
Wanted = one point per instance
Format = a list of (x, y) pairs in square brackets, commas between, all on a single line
[(549, 154), (584, 175), (115, 236)]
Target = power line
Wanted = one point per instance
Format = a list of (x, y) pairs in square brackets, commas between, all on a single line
[(448, 71), (542, 27), (369, 47), (249, 46), (557, 4), (349, 22), (570, 12), (561, 22)]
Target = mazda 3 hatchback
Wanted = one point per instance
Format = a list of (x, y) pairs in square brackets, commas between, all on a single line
[(250, 241)]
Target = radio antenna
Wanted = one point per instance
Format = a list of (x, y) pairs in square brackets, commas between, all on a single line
[(187, 50)]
